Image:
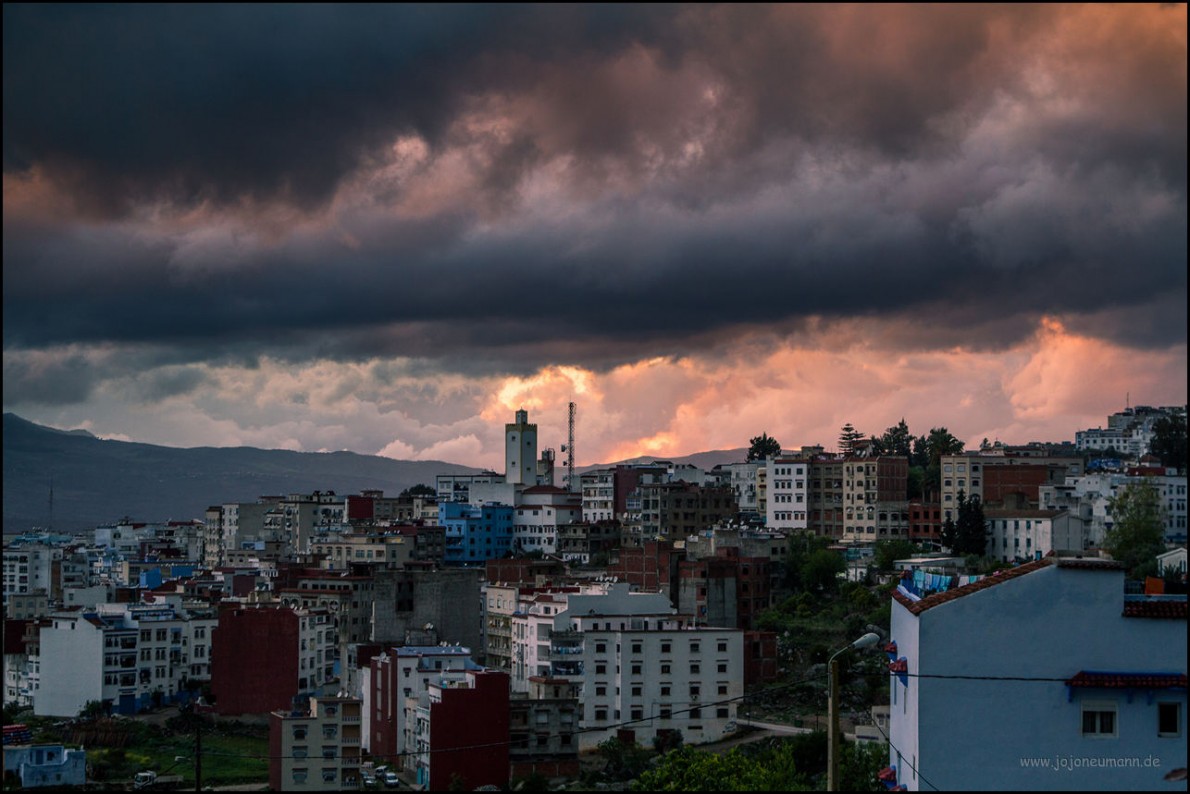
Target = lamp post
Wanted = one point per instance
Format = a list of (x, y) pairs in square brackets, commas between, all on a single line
[(832, 725)]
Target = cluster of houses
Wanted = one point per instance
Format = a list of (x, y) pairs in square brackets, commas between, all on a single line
[(504, 625)]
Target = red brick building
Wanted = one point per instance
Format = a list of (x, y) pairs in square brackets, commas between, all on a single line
[(254, 660), (468, 728)]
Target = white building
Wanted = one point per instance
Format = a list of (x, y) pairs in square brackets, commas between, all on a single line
[(30, 569), (1043, 677), (635, 660), (1031, 534), (1172, 560), (542, 509), (319, 748), (788, 493), (1090, 497), (128, 656)]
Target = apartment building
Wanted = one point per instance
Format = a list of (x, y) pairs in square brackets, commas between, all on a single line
[(826, 497), (875, 501), (475, 533), (542, 510), (634, 659), (788, 504), (395, 675), (316, 748), (263, 657), (127, 656), (458, 732), (1002, 476)]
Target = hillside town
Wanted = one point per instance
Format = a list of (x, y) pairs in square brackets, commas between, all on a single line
[(1004, 617)]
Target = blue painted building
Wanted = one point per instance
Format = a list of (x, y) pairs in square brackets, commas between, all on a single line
[(474, 533)]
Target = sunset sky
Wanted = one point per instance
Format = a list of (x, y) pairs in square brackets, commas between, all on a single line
[(386, 228)]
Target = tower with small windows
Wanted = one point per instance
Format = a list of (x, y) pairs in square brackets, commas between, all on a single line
[(520, 450)]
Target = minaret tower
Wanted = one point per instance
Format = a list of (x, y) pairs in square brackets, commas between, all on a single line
[(520, 450)]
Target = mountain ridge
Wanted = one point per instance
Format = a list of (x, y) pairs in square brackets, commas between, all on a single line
[(96, 481)]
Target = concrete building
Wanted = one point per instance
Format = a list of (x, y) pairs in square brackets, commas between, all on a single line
[(541, 729), (447, 600), (1023, 535), (127, 656), (875, 501), (1043, 677), (673, 511), (316, 748), (788, 493), (541, 511), (1090, 496), (633, 658), (826, 497), (520, 450), (980, 474), (392, 677), (475, 534), (458, 732), (264, 657), (32, 568)]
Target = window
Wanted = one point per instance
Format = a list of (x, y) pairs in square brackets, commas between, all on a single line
[(1099, 719), (665, 690), (639, 714), (299, 776), (636, 647), (723, 689), (636, 669), (722, 667), (666, 713), (600, 715), (721, 712), (694, 668), (722, 647), (1169, 719), (600, 690), (665, 647), (665, 668), (636, 691)]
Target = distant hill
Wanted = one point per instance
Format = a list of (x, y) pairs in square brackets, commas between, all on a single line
[(97, 481), (703, 460)]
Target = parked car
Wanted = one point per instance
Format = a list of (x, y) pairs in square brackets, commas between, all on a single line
[(391, 780)]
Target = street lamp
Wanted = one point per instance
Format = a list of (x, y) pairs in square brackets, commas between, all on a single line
[(832, 742)]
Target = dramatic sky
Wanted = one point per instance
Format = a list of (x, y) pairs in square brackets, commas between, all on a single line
[(385, 228)]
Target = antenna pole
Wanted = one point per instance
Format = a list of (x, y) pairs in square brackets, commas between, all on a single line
[(571, 483)]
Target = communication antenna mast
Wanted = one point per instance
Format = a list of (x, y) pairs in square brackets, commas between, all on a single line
[(571, 483)]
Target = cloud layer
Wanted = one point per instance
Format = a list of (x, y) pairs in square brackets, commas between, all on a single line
[(321, 228)]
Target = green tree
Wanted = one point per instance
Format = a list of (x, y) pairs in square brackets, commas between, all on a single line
[(1169, 441), (928, 452), (93, 709), (1137, 534), (421, 489), (889, 551), (971, 528), (688, 769), (622, 761), (763, 446), (849, 439), (820, 572), (896, 441)]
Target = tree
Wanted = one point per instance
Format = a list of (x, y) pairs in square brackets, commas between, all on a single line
[(421, 489), (1137, 534), (889, 551), (895, 441), (763, 447), (688, 769), (928, 452), (971, 529), (968, 533), (849, 439), (820, 572), (1169, 441)]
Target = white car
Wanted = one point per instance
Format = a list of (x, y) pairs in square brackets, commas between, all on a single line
[(391, 780)]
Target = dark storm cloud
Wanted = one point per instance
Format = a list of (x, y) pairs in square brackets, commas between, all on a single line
[(189, 103), (725, 168)]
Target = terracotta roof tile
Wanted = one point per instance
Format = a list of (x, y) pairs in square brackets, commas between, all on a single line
[(1129, 680), (1167, 610), (917, 607)]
